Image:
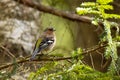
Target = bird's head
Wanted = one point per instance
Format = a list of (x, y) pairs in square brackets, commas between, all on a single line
[(49, 30)]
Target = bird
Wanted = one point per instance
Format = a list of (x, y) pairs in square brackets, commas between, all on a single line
[(45, 42)]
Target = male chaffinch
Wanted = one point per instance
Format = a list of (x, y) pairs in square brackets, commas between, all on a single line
[(45, 42)]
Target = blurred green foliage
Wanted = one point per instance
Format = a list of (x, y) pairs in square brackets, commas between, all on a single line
[(98, 8)]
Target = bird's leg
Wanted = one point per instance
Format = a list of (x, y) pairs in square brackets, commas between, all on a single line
[(40, 55)]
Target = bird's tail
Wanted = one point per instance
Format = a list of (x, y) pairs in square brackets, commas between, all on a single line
[(34, 54)]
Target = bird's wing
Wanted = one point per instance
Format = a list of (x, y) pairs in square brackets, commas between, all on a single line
[(46, 42), (41, 44)]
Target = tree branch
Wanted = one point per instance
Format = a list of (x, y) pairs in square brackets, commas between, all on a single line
[(66, 15), (52, 58)]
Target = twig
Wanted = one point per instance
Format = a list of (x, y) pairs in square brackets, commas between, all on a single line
[(10, 54), (92, 61), (52, 59)]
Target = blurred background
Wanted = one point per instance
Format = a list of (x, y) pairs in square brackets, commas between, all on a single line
[(20, 27)]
